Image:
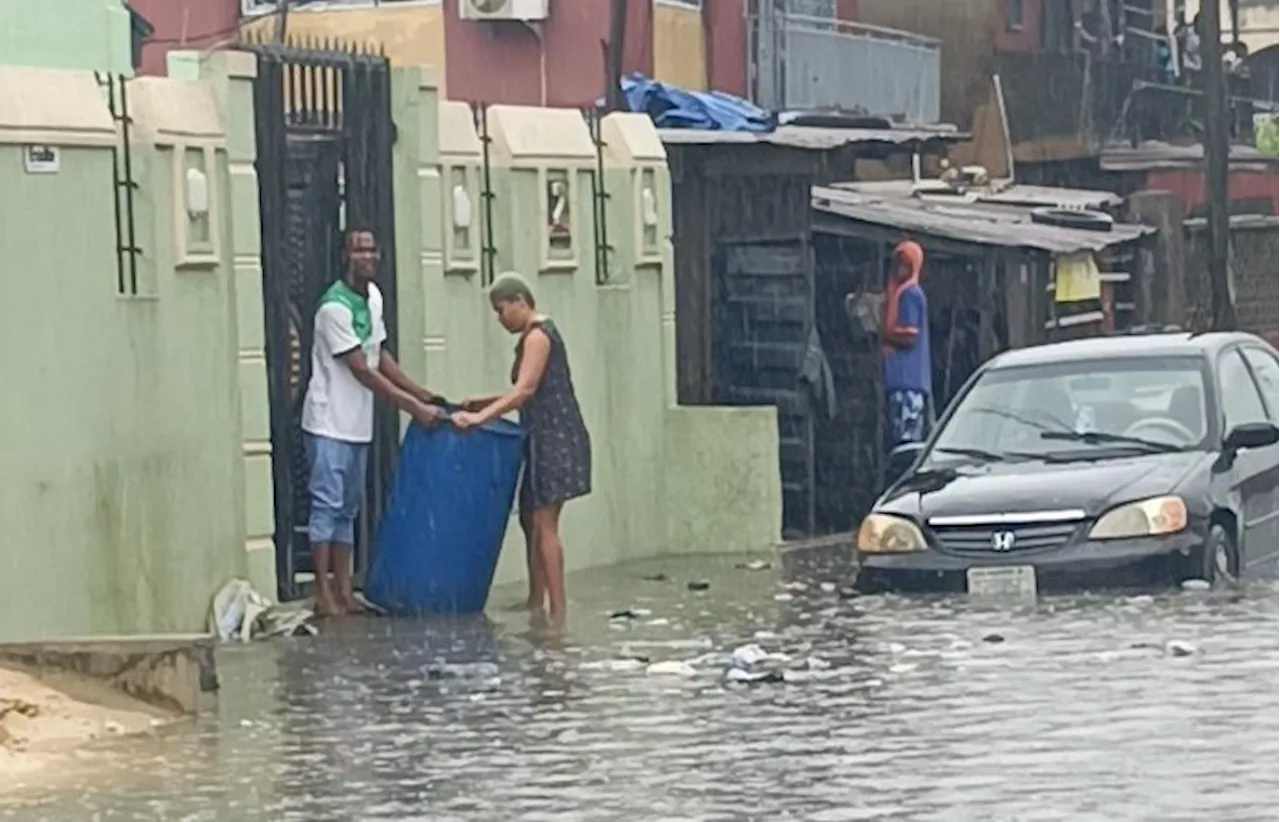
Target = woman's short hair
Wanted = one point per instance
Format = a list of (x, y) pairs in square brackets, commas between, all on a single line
[(511, 286)]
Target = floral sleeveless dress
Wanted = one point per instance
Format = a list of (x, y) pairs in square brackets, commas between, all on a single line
[(557, 446)]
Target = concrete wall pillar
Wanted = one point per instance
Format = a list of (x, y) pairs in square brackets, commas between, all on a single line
[(231, 73)]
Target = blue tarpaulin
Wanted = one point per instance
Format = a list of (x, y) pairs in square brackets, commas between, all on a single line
[(671, 107)]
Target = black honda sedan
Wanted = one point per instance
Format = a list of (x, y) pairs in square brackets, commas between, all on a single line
[(1099, 461)]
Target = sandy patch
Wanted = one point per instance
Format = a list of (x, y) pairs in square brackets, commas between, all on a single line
[(43, 726)]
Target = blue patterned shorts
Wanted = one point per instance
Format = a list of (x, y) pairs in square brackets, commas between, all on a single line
[(907, 411)]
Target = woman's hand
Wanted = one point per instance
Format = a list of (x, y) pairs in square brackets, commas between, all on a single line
[(466, 420)]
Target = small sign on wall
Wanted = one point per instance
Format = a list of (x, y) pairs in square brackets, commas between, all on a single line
[(37, 159)]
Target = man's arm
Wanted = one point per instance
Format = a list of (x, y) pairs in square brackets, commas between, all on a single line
[(334, 332), (376, 382), (391, 369), (910, 315)]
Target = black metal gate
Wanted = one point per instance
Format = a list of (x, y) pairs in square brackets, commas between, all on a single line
[(324, 142)]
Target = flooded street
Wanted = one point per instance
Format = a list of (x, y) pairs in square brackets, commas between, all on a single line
[(931, 709)]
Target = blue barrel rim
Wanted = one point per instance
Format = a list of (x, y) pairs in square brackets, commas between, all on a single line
[(502, 427)]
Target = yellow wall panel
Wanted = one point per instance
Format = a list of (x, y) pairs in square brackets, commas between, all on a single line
[(679, 57), (412, 35)]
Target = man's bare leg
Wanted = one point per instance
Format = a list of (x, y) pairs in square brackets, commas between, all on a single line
[(345, 595), (321, 557)]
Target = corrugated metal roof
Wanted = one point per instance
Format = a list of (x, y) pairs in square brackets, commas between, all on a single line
[(811, 137), (1154, 154), (1053, 197), (1001, 226), (1016, 195)]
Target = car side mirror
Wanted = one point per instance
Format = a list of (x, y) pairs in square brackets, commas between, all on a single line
[(900, 459), (1251, 435)]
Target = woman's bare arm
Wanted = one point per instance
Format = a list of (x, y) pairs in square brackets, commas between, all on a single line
[(533, 363)]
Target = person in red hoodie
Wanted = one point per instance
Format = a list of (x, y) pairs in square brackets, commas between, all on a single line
[(904, 331)]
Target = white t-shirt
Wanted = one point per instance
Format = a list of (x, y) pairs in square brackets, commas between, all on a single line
[(337, 405)]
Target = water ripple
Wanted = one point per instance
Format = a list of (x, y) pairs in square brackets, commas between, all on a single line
[(930, 709)]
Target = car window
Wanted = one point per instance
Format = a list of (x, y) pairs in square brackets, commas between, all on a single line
[(1267, 372), (1046, 409), (1241, 402)]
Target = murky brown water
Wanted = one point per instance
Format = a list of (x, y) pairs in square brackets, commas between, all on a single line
[(1077, 715)]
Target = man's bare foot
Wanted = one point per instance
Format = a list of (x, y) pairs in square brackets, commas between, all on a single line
[(325, 605), (351, 605)]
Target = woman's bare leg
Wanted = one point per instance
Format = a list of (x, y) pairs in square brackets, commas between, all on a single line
[(546, 528), (537, 579)]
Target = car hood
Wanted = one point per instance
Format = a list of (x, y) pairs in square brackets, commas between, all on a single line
[(1019, 487)]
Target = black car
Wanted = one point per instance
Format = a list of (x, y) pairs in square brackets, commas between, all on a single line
[(1094, 460)]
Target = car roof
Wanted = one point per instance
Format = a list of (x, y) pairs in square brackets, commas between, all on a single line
[(1131, 345)]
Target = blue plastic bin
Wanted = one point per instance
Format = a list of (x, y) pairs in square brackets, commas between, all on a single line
[(438, 543)]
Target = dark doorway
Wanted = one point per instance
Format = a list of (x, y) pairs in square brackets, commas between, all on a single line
[(324, 140), (763, 318)]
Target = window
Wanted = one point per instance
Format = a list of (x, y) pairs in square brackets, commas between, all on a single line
[(1241, 402), (1013, 15), (1050, 410), (1267, 373)]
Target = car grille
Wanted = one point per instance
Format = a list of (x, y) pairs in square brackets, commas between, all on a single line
[(981, 539)]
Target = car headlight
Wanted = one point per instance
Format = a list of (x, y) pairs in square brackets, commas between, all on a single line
[(1144, 518), (887, 534)]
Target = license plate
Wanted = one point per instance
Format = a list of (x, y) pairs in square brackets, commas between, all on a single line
[(1005, 581)]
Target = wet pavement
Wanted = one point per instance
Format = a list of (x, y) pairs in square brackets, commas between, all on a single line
[(932, 708)]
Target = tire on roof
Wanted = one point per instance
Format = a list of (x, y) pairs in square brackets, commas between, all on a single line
[(1083, 219)]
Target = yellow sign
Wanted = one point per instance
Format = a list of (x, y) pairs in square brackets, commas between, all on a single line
[(1077, 278)]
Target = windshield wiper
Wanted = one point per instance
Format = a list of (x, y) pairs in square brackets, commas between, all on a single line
[(976, 453), (1103, 438)]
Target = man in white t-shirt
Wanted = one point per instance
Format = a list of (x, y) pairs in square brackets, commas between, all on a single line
[(348, 368)]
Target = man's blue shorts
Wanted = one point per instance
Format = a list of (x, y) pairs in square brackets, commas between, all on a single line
[(336, 482)]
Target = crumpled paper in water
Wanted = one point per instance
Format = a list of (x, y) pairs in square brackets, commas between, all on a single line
[(240, 613)]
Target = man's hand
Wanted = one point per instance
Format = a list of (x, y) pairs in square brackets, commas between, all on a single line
[(474, 403), (427, 415)]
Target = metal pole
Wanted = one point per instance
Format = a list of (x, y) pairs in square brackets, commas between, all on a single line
[(1215, 165), (613, 52), (282, 20)]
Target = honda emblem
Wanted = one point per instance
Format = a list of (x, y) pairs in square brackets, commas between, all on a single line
[(1003, 541)]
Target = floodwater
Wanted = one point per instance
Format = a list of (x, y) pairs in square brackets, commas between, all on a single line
[(931, 709)]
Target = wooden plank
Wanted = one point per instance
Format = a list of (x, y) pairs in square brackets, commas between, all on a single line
[(1072, 320)]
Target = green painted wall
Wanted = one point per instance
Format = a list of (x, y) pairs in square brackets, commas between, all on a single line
[(123, 482), (72, 34), (667, 479), (136, 473)]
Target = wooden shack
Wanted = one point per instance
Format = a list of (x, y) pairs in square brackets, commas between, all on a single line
[(744, 272), (990, 277)]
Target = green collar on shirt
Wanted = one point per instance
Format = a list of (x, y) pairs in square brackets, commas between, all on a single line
[(361, 318)]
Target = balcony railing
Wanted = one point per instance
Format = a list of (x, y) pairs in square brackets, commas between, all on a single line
[(802, 62), (1076, 103)]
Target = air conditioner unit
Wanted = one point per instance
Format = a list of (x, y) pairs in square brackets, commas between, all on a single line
[(526, 10)]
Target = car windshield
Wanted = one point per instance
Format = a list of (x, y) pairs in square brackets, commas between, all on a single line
[(1077, 410)]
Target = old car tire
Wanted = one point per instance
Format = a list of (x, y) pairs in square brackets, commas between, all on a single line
[(1219, 565), (1071, 218)]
